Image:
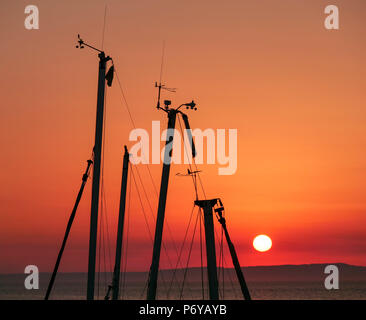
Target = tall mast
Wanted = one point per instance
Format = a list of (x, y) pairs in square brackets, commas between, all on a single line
[(97, 151), (154, 269), (96, 177), (153, 277)]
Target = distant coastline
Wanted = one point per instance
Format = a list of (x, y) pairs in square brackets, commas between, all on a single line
[(305, 281), (285, 272)]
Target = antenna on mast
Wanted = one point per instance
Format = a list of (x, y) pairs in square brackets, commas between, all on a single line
[(172, 114), (160, 85)]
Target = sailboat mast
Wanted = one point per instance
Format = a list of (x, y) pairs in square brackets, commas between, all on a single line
[(234, 256), (96, 175), (68, 229), (154, 269), (207, 206), (121, 220)]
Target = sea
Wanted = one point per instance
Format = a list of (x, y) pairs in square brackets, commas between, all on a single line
[(191, 285)]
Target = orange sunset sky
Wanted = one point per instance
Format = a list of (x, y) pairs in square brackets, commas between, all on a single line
[(294, 90)]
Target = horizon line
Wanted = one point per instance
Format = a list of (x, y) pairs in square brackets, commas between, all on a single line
[(196, 267)]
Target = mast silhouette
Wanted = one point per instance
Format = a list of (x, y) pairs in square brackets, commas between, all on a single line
[(68, 229), (234, 256), (172, 115), (97, 152), (121, 222), (207, 206)]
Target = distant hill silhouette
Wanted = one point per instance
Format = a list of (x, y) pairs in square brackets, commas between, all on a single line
[(283, 273), (302, 272)]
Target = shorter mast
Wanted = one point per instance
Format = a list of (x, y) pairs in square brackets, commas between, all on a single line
[(121, 221), (207, 206)]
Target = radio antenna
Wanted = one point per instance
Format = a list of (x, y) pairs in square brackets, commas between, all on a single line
[(160, 85), (162, 62)]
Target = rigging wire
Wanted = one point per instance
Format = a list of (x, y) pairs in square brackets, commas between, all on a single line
[(201, 255), (194, 180), (189, 257), (104, 238), (102, 203), (142, 207), (180, 253), (223, 260), (221, 264), (152, 213), (104, 143), (190, 165), (154, 186), (124, 249), (133, 123), (145, 217), (185, 236), (147, 166), (146, 222), (127, 237), (230, 275), (149, 171), (68, 229)]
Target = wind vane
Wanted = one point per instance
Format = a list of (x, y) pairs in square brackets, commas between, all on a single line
[(109, 76)]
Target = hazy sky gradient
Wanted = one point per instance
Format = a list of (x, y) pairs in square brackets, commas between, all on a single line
[(294, 90)]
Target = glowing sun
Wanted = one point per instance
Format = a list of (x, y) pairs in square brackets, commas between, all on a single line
[(262, 243)]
